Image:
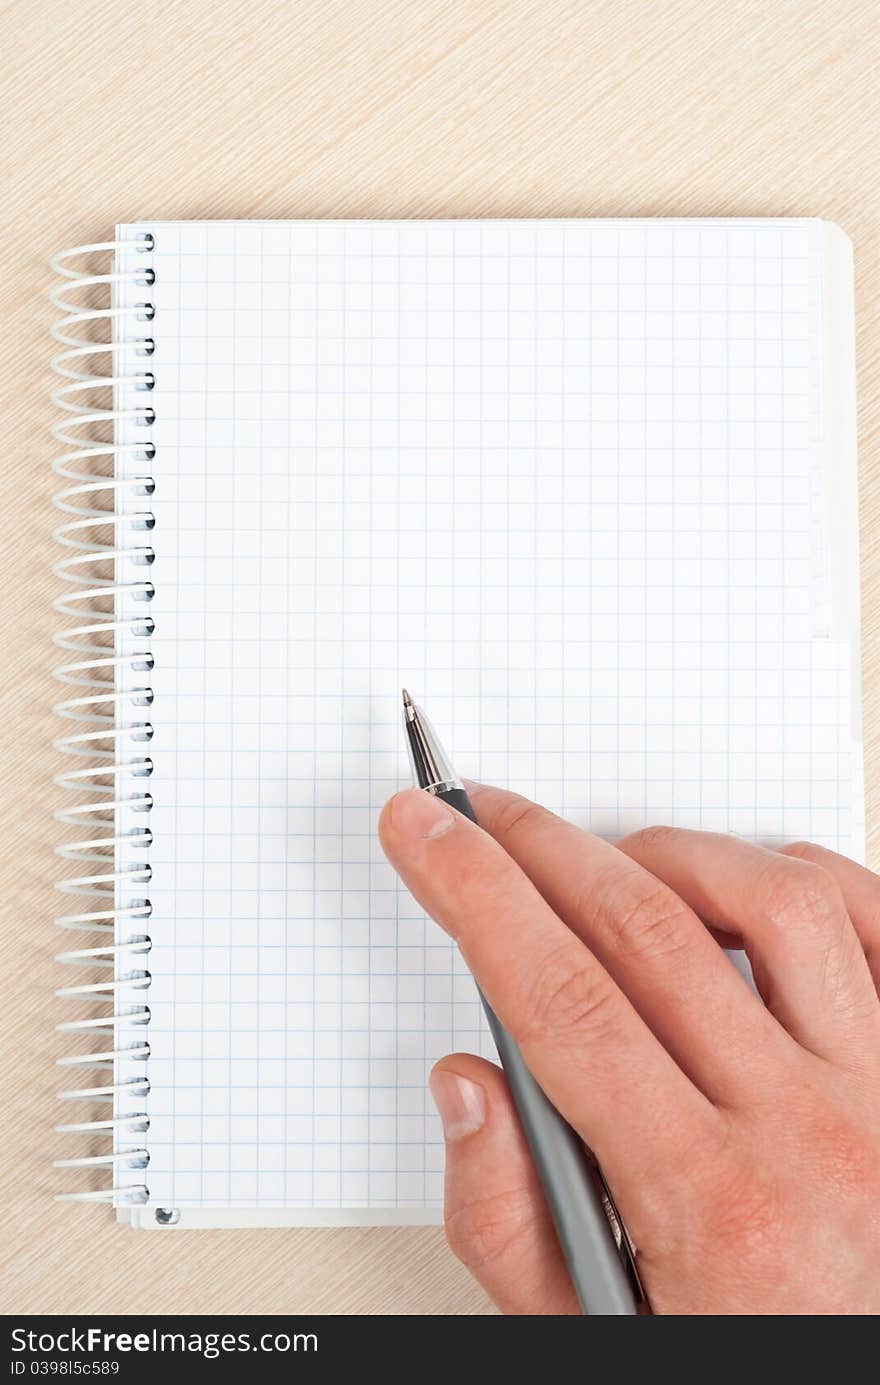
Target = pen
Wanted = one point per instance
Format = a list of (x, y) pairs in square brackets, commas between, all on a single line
[(591, 1234)]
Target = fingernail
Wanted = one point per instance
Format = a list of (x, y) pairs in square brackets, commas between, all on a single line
[(419, 814), (461, 1103)]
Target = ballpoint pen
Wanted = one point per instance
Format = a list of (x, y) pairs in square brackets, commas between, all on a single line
[(591, 1234)]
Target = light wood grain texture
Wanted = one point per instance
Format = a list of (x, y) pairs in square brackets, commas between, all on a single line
[(318, 108)]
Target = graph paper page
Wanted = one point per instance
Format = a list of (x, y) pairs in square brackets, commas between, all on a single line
[(567, 482)]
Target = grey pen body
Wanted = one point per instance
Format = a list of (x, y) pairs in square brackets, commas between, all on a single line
[(601, 1271)]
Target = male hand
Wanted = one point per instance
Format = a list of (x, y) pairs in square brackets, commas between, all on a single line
[(740, 1137)]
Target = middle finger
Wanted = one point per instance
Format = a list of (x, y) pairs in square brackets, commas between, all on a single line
[(650, 941)]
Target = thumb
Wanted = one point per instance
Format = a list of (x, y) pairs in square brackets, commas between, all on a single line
[(497, 1222)]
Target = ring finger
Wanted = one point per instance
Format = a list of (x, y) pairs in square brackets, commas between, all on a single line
[(790, 914)]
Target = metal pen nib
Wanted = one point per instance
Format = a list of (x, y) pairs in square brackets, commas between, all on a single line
[(431, 766)]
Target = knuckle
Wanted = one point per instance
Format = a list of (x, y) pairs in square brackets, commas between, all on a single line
[(744, 1217), (518, 814), (803, 894), (483, 1231), (480, 875), (801, 851), (846, 1155), (648, 840), (569, 997), (647, 923)]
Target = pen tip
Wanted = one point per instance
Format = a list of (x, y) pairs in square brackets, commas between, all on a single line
[(407, 700)]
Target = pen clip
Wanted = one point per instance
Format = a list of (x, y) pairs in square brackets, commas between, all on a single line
[(625, 1247)]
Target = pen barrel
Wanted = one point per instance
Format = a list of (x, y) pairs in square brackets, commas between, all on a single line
[(572, 1185)]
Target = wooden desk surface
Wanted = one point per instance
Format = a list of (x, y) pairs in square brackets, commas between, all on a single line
[(340, 108)]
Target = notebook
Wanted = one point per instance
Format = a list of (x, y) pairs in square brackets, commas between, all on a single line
[(587, 488)]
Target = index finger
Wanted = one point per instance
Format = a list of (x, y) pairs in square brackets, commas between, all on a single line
[(581, 1038)]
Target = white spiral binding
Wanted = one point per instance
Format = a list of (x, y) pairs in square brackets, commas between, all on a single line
[(106, 552)]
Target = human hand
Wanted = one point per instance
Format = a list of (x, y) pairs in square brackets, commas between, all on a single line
[(740, 1139)]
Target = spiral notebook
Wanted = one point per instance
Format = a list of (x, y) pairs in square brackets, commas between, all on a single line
[(587, 488)]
